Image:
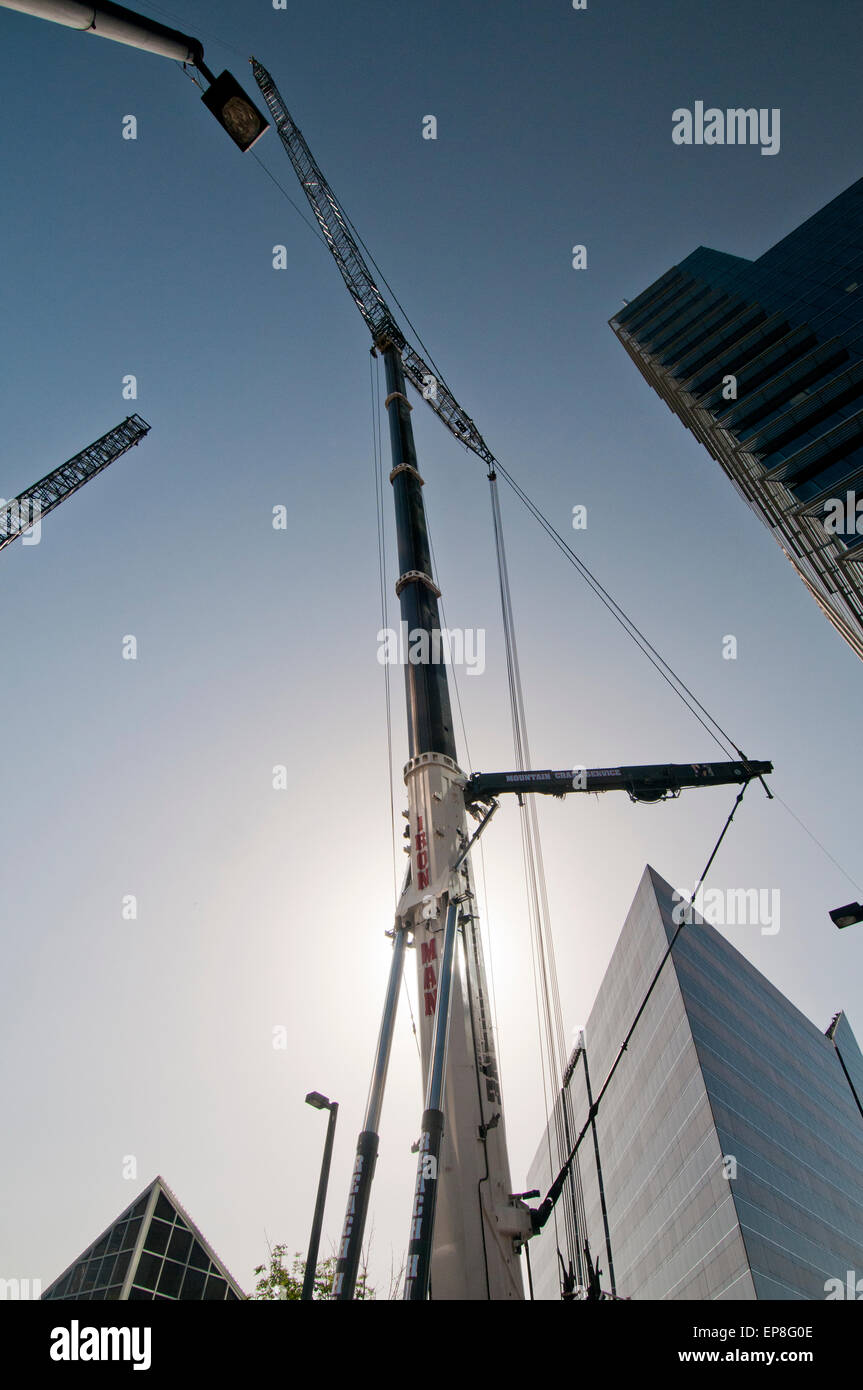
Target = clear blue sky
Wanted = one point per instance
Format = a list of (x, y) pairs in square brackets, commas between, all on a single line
[(257, 647)]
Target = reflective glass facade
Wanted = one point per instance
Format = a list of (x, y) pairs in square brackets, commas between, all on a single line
[(730, 1139), (763, 361), (152, 1251)]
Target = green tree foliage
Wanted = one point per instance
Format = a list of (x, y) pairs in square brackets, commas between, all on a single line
[(276, 1280)]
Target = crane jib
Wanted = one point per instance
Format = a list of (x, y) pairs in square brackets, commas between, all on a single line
[(22, 515), (647, 783), (358, 276)]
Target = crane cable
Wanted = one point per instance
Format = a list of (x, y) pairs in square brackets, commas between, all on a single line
[(545, 972), (546, 986), (717, 733), (692, 703), (558, 1182), (485, 913)]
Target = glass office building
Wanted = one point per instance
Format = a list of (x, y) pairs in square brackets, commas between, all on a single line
[(726, 1158), (763, 361), (152, 1251)]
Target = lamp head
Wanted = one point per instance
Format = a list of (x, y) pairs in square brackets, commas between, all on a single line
[(847, 916), (235, 111)]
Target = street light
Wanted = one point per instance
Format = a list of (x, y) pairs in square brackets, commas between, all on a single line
[(319, 1102), (234, 111), (847, 916)]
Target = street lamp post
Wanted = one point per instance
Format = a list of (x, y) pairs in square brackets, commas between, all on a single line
[(319, 1102)]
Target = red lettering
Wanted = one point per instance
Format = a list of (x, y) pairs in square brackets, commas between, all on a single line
[(422, 879), (429, 977), (431, 1002), (429, 951)]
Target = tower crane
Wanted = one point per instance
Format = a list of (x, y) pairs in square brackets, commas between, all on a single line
[(21, 514)]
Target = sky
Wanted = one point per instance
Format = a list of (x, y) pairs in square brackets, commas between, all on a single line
[(133, 1047)]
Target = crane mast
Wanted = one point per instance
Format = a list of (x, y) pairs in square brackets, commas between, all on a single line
[(20, 514), (463, 1182)]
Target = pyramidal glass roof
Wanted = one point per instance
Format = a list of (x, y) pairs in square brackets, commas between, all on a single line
[(152, 1251)]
